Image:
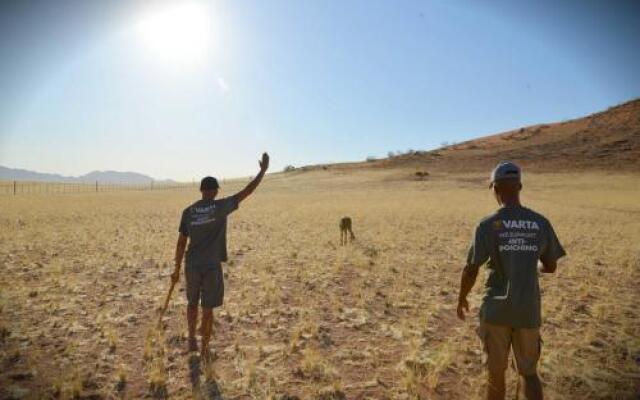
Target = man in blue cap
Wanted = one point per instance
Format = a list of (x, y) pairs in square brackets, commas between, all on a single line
[(204, 226), (512, 240)]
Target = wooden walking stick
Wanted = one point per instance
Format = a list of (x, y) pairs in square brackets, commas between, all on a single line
[(166, 302)]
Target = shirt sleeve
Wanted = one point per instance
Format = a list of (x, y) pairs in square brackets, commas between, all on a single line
[(479, 251), (184, 224), (551, 248), (230, 204)]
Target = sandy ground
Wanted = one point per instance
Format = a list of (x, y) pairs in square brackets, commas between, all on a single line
[(83, 276)]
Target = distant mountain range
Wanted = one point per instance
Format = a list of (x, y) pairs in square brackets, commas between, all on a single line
[(11, 174)]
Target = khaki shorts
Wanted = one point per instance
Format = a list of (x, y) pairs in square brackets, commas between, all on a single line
[(498, 340)]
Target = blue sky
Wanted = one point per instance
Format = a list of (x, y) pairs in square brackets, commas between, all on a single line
[(310, 82)]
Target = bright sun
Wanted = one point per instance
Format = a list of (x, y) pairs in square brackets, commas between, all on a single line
[(178, 33)]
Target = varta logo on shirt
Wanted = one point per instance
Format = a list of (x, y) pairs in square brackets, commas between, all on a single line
[(520, 224), (204, 210)]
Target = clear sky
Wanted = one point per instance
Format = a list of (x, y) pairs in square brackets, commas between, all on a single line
[(179, 90)]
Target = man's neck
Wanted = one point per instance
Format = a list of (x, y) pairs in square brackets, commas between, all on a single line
[(509, 203)]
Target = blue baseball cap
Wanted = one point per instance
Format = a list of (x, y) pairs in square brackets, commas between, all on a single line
[(505, 170)]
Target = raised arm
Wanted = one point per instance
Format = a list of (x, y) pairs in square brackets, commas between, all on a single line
[(251, 187)]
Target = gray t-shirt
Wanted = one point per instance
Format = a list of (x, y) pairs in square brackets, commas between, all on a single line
[(513, 240), (205, 222)]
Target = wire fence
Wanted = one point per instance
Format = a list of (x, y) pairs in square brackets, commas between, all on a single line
[(15, 188)]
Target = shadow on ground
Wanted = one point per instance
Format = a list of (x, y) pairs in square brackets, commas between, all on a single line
[(207, 389)]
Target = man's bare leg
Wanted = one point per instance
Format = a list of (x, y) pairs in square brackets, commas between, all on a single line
[(207, 320), (532, 387), (496, 386), (192, 321)]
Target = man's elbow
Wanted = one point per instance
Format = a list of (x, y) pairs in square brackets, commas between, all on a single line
[(243, 194), (549, 267)]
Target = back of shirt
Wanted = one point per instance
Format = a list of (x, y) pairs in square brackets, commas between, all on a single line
[(205, 223), (513, 240)]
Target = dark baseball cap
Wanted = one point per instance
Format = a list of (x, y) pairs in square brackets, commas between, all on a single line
[(209, 183), (505, 170)]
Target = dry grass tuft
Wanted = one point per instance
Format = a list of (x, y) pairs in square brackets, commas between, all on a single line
[(304, 317)]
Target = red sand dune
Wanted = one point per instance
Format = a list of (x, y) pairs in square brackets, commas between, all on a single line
[(607, 140)]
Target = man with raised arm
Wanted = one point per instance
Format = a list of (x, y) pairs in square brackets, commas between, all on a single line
[(204, 226), (512, 239)]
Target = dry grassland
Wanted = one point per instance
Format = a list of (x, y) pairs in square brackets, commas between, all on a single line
[(83, 276)]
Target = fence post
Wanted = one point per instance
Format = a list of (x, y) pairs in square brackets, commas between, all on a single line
[(96, 186), (14, 188)]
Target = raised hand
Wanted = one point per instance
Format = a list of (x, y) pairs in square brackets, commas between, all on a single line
[(264, 163)]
